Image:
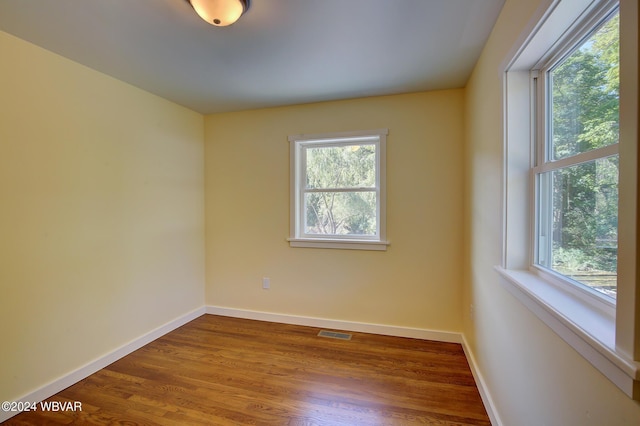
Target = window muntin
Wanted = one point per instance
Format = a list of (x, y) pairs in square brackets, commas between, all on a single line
[(577, 165), (338, 188)]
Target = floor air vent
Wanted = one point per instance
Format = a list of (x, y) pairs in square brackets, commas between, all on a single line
[(334, 335)]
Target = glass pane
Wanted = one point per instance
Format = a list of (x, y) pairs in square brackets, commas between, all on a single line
[(584, 95), (340, 213), (581, 207), (345, 166)]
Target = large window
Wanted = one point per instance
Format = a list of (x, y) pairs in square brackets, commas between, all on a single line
[(576, 171), (338, 190), (571, 180)]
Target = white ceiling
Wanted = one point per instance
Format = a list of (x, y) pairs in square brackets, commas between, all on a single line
[(280, 52)]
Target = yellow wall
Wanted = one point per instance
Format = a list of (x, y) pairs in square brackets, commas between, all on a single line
[(535, 378), (416, 283), (101, 215)]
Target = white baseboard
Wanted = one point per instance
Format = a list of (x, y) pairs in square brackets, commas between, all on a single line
[(389, 330), (487, 400), (75, 376)]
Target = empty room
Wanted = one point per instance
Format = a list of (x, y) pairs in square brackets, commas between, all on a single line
[(319, 212)]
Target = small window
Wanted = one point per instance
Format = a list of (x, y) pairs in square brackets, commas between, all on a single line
[(577, 161), (338, 190)]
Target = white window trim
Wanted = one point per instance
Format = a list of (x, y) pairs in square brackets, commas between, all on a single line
[(298, 239), (605, 335)]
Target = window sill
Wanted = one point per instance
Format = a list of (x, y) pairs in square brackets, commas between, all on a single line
[(590, 331), (334, 244)]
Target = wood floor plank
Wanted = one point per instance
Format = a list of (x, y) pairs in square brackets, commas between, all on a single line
[(227, 371)]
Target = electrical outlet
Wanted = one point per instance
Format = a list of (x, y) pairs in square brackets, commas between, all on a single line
[(266, 283)]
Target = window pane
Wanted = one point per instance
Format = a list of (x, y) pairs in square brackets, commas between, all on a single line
[(584, 95), (582, 208), (345, 166), (340, 213)]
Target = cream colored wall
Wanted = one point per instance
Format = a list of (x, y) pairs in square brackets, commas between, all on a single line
[(534, 377), (416, 283), (101, 215)]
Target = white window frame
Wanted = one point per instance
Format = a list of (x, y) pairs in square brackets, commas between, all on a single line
[(542, 158), (298, 144), (605, 334)]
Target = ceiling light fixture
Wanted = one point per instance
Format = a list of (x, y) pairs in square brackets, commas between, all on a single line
[(220, 12)]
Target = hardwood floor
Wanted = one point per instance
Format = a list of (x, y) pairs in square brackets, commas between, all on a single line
[(227, 371)]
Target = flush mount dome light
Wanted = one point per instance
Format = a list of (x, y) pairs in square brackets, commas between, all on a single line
[(220, 12)]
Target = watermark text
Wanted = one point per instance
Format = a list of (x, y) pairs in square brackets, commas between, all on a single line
[(20, 406)]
